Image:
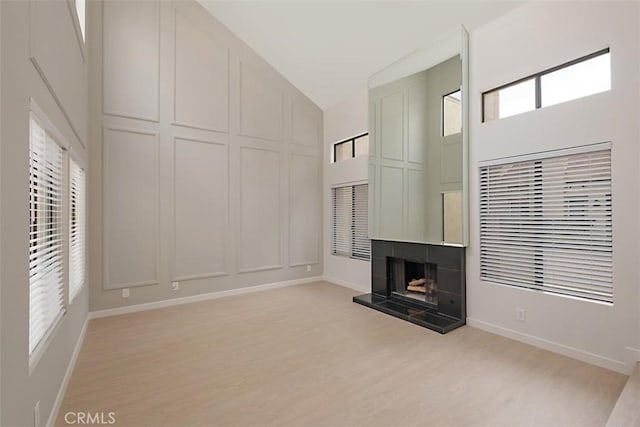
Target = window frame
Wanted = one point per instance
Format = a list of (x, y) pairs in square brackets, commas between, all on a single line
[(77, 27), (354, 249), (352, 140), (40, 118), (537, 77), (443, 133), (540, 213), (75, 291)]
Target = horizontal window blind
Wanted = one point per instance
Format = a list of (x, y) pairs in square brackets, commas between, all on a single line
[(546, 224), (77, 212), (349, 231), (360, 233), (341, 230), (46, 272)]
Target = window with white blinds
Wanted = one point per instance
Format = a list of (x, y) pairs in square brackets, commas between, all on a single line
[(350, 229), (77, 212), (46, 270), (545, 223)]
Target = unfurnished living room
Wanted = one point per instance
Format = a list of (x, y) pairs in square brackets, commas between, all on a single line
[(319, 213)]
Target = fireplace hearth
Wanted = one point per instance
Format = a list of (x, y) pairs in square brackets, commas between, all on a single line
[(421, 283)]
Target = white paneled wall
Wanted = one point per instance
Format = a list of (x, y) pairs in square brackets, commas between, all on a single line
[(209, 172)]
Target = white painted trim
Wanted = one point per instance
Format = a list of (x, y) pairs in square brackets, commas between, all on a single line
[(579, 149), (67, 376), (574, 353), (201, 297), (346, 284), (633, 355)]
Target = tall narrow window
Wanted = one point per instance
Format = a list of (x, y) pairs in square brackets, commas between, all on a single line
[(77, 212), (350, 230), (452, 113), (46, 270), (80, 10), (546, 223)]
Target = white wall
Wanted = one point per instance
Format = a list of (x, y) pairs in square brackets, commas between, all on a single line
[(42, 59), (344, 120), (529, 39), (207, 170)]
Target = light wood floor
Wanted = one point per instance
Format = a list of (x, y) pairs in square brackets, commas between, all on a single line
[(626, 413), (307, 356)]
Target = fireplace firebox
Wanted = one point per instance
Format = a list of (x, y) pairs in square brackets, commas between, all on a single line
[(421, 283), (412, 279)]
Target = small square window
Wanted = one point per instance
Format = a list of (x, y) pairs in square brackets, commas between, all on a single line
[(343, 151), (582, 79), (350, 148), (362, 146), (510, 100)]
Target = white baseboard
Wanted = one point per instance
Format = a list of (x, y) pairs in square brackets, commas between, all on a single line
[(594, 359), (355, 287), (67, 376), (200, 297)]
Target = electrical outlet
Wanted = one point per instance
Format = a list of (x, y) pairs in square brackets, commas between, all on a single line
[(175, 286), (36, 415), (125, 293), (308, 269), (520, 314)]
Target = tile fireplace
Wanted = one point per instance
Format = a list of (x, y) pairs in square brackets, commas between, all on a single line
[(421, 283)]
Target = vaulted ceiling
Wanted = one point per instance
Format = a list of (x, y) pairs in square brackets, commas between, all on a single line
[(329, 49)]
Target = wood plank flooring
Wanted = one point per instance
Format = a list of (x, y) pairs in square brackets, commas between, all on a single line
[(626, 413), (307, 356)]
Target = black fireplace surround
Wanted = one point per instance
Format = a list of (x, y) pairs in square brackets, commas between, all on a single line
[(439, 304)]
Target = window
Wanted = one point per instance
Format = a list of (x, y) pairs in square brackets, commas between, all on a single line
[(350, 229), (350, 148), (77, 217), (576, 79), (46, 270), (452, 113), (545, 222), (80, 10)]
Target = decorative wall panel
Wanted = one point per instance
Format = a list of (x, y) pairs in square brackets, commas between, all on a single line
[(261, 105), (260, 225), (130, 208), (304, 210), (201, 78), (131, 59), (201, 203)]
